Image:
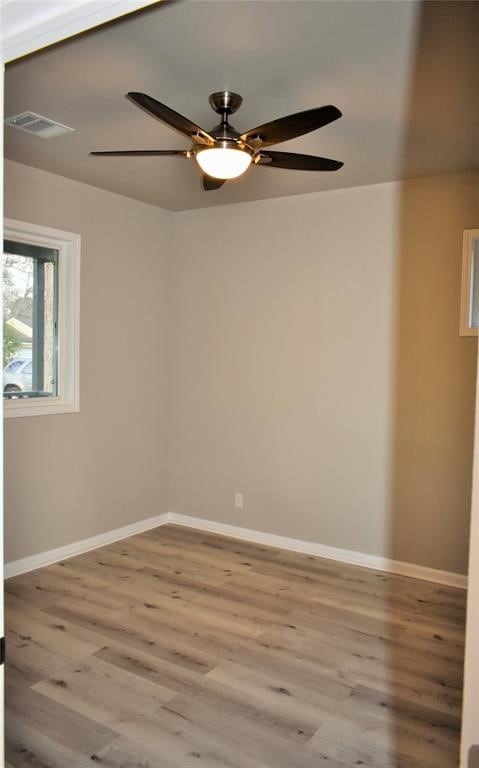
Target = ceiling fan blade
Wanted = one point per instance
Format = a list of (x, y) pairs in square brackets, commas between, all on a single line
[(298, 162), (290, 127), (209, 183), (170, 117), (144, 153)]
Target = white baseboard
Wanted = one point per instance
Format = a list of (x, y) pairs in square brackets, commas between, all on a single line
[(322, 550), (26, 564), (17, 567)]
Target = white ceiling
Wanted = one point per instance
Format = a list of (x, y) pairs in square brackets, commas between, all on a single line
[(405, 75)]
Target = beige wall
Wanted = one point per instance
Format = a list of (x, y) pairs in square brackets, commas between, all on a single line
[(72, 476), (303, 351), (435, 375), (316, 367)]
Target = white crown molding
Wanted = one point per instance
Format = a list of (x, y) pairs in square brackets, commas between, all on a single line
[(28, 27), (26, 564)]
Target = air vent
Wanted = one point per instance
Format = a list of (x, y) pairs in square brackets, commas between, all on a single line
[(30, 122)]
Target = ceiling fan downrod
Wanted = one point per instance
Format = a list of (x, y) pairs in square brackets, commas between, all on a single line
[(225, 103)]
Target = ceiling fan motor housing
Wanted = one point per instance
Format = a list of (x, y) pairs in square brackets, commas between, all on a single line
[(225, 102)]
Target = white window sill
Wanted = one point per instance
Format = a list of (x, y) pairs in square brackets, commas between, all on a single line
[(38, 407)]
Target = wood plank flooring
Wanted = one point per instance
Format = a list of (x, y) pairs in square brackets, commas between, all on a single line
[(176, 648)]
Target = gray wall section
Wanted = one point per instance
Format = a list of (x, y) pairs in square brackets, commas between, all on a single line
[(473, 756), (72, 476), (303, 351), (316, 367)]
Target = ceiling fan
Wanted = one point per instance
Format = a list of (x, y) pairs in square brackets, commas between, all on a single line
[(222, 153)]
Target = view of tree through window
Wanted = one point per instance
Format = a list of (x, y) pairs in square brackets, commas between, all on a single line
[(30, 299)]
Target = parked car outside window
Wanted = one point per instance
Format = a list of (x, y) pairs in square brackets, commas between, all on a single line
[(17, 376)]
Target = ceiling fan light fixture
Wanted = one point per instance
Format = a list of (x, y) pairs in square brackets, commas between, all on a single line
[(223, 162)]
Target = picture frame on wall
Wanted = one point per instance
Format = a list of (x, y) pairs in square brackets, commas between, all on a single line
[(469, 323)]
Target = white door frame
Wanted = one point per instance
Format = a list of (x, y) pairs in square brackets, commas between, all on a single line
[(470, 709), (22, 32), (27, 27)]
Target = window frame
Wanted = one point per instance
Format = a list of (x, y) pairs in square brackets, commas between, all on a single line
[(68, 245), (466, 328)]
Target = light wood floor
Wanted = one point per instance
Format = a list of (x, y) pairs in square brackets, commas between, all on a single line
[(176, 649)]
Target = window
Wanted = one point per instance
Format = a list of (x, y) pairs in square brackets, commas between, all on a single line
[(40, 320), (30, 325), (469, 325)]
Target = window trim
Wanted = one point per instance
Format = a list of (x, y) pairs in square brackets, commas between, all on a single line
[(68, 245), (466, 328)]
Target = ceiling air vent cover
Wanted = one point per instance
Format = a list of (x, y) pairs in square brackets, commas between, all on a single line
[(30, 122)]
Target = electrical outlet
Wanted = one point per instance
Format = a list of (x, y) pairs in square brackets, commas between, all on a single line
[(239, 500)]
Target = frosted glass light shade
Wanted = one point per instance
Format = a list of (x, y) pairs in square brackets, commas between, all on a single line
[(223, 163)]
